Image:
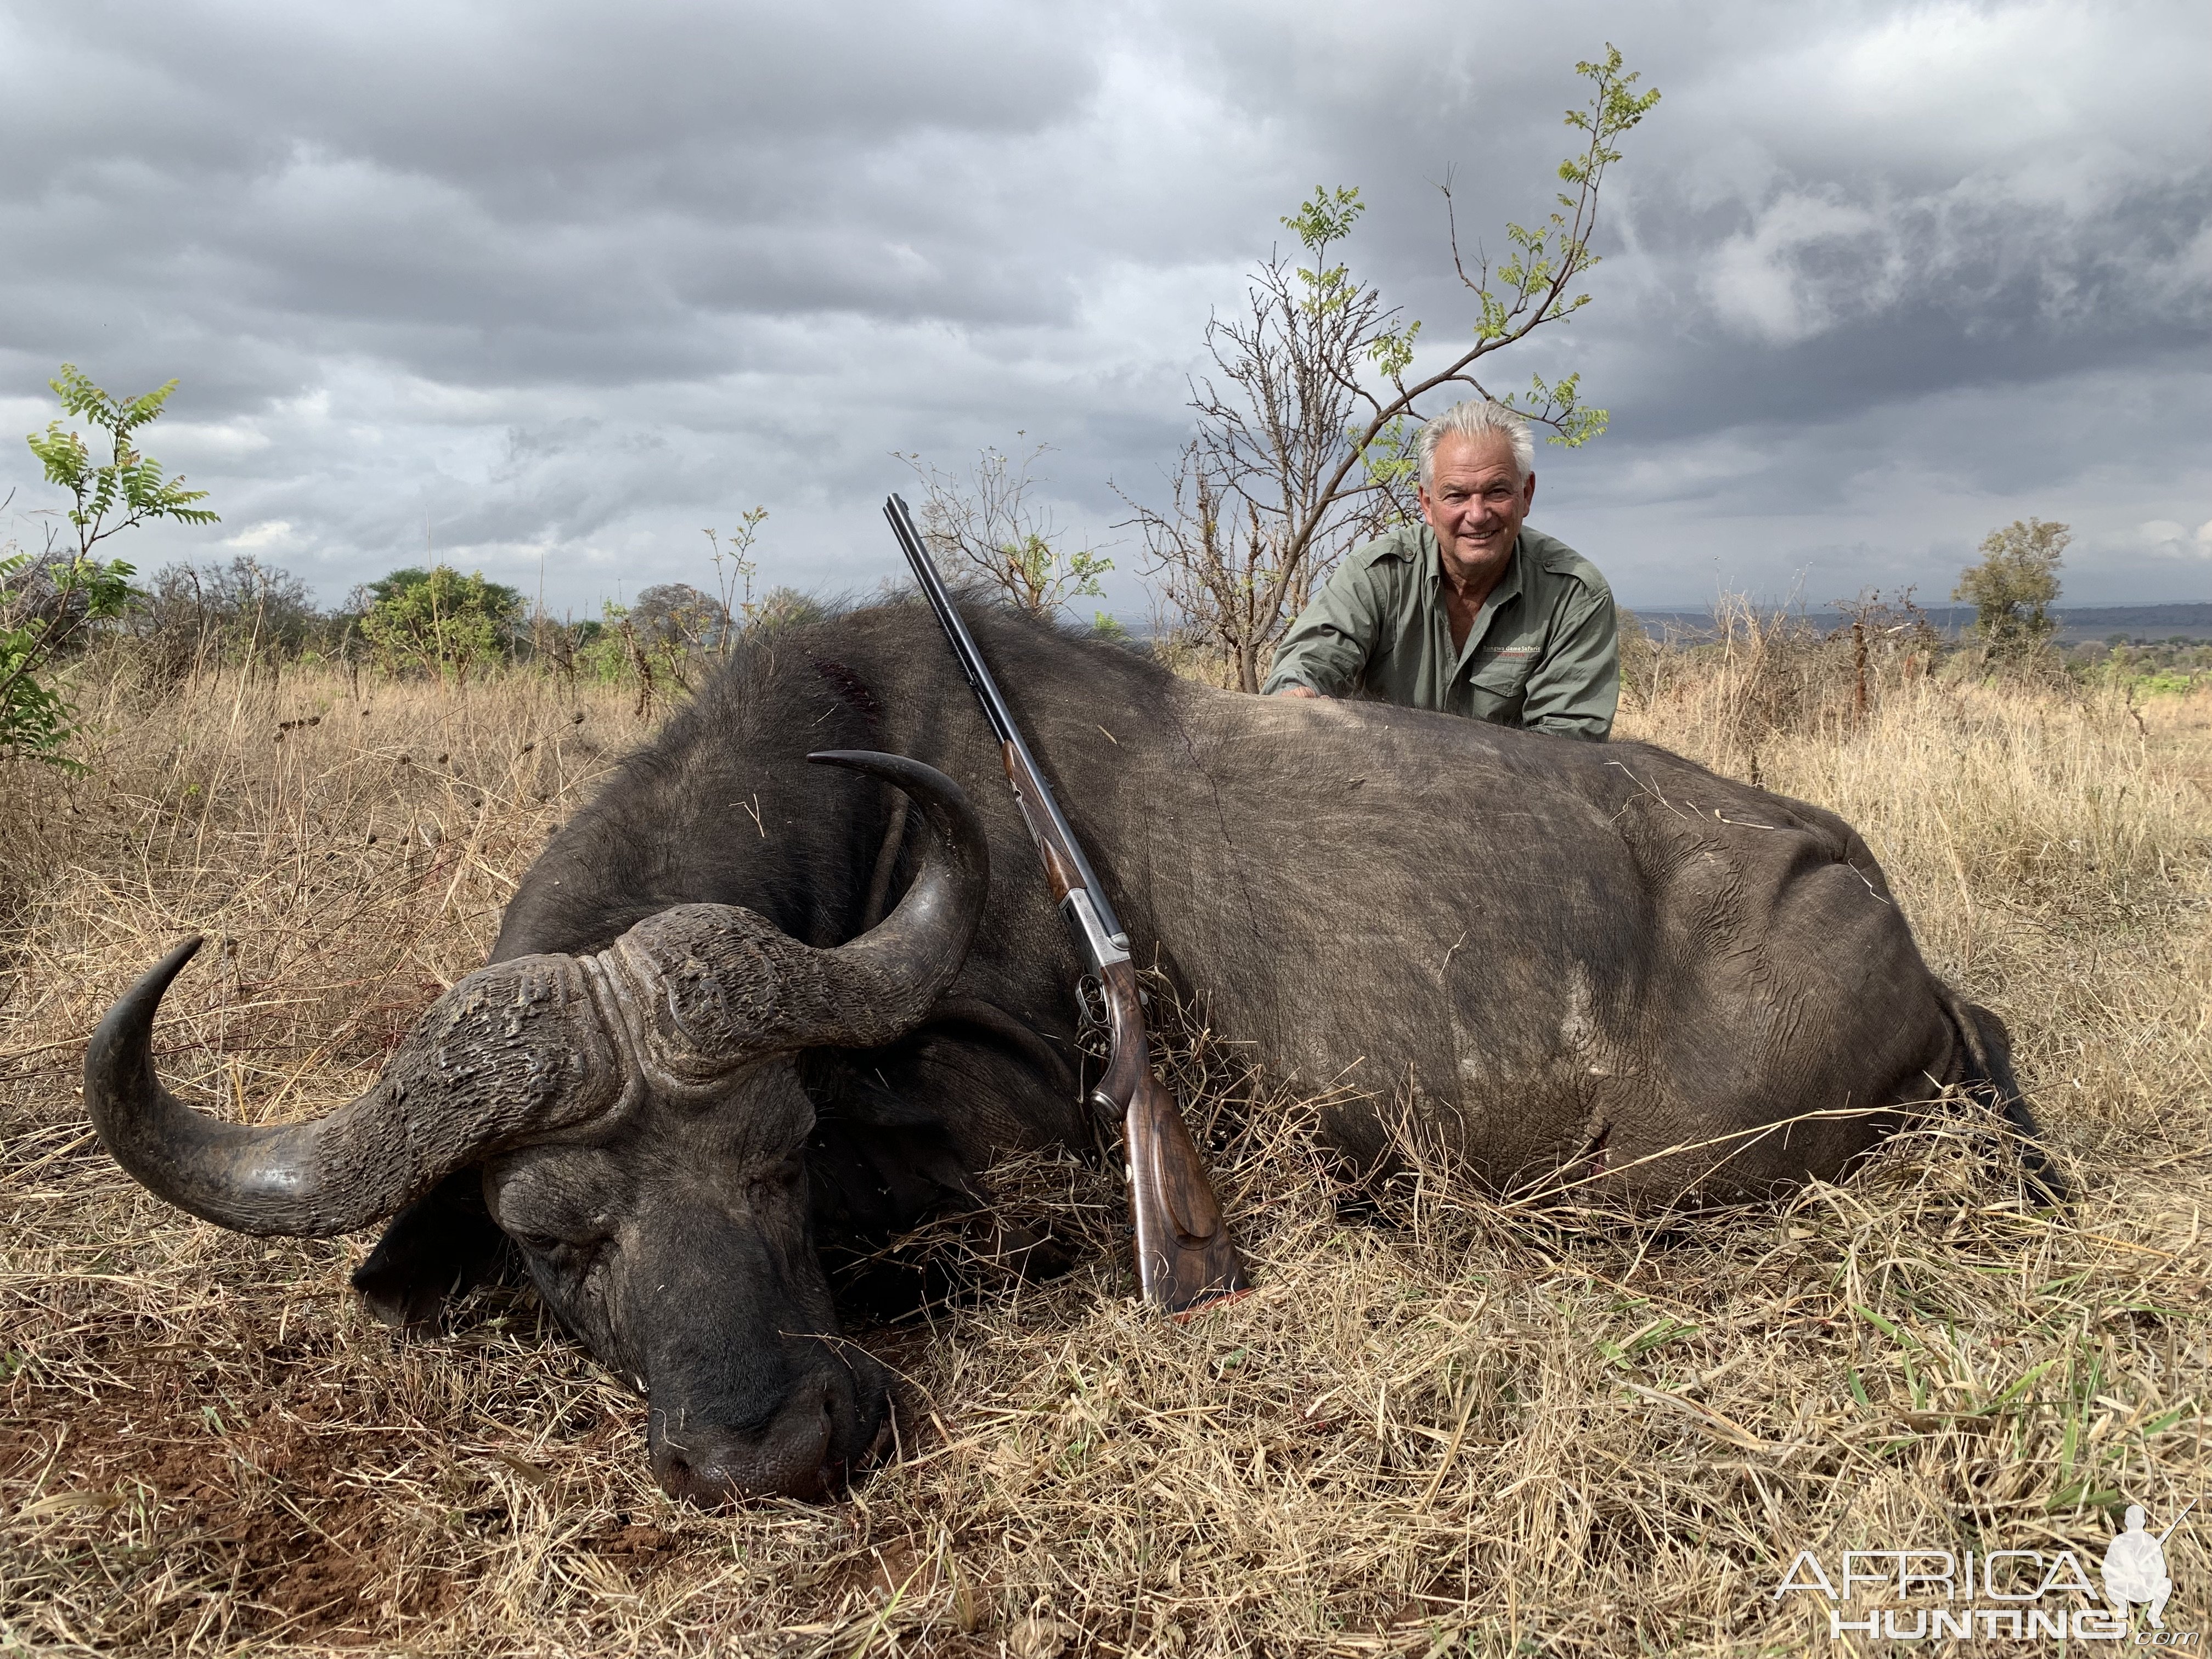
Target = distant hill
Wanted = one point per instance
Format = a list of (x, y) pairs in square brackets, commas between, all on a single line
[(2076, 624), (2148, 622)]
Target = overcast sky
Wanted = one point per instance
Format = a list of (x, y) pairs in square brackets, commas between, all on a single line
[(549, 287)]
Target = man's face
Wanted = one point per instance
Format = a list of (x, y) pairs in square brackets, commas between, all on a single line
[(1476, 501)]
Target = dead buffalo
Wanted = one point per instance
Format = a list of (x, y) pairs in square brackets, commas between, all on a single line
[(714, 1040)]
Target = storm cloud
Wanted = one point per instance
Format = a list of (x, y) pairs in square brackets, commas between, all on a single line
[(546, 290)]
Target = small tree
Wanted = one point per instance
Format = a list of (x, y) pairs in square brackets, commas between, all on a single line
[(2012, 587), (661, 632), (734, 570), (1306, 427), (438, 620), (50, 603), (242, 611), (676, 617), (985, 524)]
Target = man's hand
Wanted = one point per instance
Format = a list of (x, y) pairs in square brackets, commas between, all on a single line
[(1298, 691)]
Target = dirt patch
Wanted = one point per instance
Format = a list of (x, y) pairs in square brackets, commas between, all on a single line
[(640, 1544), (280, 1504)]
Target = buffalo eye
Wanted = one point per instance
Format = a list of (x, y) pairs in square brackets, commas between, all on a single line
[(778, 1176), (582, 1245)]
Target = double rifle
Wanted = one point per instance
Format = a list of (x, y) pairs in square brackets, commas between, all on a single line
[(1184, 1258)]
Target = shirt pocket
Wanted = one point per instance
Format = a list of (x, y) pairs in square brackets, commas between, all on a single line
[(1497, 684), (1504, 672)]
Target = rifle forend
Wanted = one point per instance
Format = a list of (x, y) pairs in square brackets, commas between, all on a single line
[(1184, 1256)]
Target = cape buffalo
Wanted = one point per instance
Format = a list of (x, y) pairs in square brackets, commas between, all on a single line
[(1544, 954)]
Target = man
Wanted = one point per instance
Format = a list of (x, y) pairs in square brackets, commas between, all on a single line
[(1469, 611), (2135, 1569)]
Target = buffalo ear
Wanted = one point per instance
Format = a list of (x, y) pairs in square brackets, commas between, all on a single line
[(435, 1248)]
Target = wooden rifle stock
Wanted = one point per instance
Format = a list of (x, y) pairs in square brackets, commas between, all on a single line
[(1184, 1256)]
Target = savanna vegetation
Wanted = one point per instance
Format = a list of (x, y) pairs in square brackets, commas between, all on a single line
[(1443, 1423)]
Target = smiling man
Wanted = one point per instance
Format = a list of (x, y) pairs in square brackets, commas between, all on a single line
[(1467, 611)]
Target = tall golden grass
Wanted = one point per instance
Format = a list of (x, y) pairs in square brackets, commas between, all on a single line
[(1442, 1425)]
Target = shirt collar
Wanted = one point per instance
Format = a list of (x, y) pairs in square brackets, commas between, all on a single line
[(1508, 586)]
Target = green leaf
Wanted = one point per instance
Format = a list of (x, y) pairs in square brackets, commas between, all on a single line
[(2026, 1381), (1325, 216), (1888, 1327), (2165, 1421)]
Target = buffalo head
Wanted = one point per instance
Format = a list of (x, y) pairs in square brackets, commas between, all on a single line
[(640, 1128)]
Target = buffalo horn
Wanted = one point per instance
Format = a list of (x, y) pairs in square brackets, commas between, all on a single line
[(524, 1049), (513, 1051), (710, 986), (886, 981)]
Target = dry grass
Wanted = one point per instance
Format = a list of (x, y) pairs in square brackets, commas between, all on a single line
[(1449, 1426)]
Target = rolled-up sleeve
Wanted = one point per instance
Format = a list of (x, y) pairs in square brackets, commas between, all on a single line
[(1328, 645), (1575, 689)]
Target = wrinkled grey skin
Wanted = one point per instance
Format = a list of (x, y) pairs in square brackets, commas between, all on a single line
[(1534, 955)]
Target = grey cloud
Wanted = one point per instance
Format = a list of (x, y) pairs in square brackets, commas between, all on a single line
[(573, 281)]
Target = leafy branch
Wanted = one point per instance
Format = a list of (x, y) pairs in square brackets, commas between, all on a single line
[(1529, 290), (129, 485), (1307, 426)]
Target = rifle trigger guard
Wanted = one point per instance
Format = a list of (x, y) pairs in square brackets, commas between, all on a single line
[(1091, 1001)]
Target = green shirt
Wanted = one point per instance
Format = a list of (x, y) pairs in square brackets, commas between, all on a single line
[(1542, 652)]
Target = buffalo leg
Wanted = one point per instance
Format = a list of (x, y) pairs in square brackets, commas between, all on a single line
[(1989, 1078)]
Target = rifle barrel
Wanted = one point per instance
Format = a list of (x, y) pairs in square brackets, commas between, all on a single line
[(2176, 1520), (994, 705)]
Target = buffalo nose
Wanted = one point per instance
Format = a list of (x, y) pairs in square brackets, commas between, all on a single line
[(710, 1466)]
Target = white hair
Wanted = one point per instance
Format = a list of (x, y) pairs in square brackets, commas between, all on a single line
[(1478, 417)]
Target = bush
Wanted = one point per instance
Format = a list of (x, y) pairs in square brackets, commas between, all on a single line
[(438, 620), (245, 611), (48, 607), (1759, 675)]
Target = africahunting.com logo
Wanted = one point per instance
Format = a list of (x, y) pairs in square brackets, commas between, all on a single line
[(2020, 1595)]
